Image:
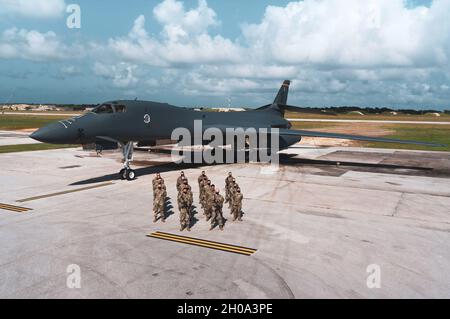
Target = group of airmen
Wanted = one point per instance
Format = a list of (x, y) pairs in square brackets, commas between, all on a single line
[(210, 199)]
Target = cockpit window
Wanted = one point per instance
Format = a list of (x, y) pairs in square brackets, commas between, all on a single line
[(120, 108), (104, 108)]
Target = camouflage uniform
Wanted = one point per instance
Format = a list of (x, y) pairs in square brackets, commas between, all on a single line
[(236, 207), (202, 180), (158, 204), (180, 181), (155, 182), (209, 201), (232, 189), (183, 202), (228, 182), (201, 186), (185, 185), (217, 215), (203, 195)]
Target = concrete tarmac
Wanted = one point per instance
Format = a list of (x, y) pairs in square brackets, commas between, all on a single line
[(15, 138), (318, 223)]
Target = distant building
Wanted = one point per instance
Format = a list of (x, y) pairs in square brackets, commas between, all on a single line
[(29, 107)]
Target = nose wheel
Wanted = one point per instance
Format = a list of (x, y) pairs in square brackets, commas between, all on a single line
[(126, 172)]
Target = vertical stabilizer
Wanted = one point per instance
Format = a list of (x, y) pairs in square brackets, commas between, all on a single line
[(282, 95)]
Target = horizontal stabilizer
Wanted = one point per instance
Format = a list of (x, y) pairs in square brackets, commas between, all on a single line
[(306, 110)]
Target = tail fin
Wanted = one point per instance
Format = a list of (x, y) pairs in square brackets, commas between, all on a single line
[(283, 93)]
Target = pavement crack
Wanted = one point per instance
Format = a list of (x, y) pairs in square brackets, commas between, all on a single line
[(402, 195)]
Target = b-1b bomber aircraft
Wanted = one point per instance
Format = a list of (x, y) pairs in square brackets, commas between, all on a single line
[(125, 122)]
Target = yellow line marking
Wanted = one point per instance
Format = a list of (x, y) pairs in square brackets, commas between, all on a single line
[(199, 244), (203, 243), (248, 250), (13, 208), (63, 193)]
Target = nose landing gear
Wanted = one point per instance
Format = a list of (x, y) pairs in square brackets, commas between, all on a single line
[(126, 172)]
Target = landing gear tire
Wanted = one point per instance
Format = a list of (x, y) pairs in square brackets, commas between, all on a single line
[(123, 174), (130, 174)]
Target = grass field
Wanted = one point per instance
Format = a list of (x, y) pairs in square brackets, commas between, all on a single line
[(20, 122), (378, 117), (31, 147), (424, 133)]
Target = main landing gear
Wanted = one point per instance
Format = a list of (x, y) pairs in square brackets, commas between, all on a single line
[(126, 172)]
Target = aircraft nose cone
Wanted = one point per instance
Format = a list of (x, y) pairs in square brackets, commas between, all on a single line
[(42, 134), (55, 133)]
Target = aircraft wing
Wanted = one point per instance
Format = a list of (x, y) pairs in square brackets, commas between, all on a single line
[(337, 136), (354, 137)]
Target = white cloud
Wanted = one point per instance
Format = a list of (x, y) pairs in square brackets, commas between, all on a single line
[(34, 45), (33, 8), (184, 38), (120, 75), (179, 23), (352, 33)]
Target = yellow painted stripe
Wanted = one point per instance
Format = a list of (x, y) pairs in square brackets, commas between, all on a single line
[(220, 247), (154, 235), (63, 193), (14, 208), (200, 244), (245, 249)]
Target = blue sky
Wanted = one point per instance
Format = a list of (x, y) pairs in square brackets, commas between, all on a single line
[(336, 52)]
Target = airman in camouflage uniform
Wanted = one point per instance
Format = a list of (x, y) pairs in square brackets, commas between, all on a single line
[(209, 201), (228, 181), (155, 182), (186, 185), (232, 189), (206, 185), (183, 202), (217, 214), (201, 189), (180, 180), (202, 180), (158, 203), (236, 207)]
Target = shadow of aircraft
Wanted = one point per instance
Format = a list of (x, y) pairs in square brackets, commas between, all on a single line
[(284, 159)]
